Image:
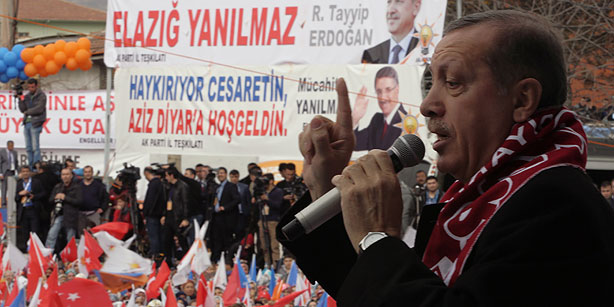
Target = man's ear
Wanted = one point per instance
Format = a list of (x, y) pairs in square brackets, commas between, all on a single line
[(526, 93)]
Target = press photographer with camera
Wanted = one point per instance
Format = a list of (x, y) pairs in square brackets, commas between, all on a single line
[(292, 185), (270, 199), (67, 197), (29, 199), (153, 208), (34, 108)]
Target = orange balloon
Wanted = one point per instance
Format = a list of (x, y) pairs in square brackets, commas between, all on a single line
[(72, 64), (43, 72), (60, 58), (70, 49), (51, 67), (87, 65), (82, 56), (38, 49), (84, 43), (39, 61), (59, 45), (27, 55), (30, 70), (49, 51)]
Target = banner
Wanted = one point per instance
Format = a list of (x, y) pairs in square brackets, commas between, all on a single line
[(267, 32), (221, 111), (75, 120)]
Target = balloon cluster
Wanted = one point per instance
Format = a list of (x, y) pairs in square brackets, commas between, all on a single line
[(11, 64), (48, 60)]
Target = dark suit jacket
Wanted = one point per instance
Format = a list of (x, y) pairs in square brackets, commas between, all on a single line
[(5, 163), (230, 201), (38, 199), (180, 197), (380, 53), (373, 136), (550, 244)]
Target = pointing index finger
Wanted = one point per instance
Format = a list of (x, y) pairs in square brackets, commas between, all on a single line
[(344, 111)]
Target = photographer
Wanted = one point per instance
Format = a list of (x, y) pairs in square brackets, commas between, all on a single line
[(33, 106), (415, 203), (67, 197), (270, 203), (175, 219), (292, 185), (29, 199)]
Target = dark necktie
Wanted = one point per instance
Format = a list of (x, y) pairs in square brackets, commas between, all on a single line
[(395, 54), (385, 128)]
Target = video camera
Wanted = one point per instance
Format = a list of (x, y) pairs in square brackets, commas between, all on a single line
[(18, 88)]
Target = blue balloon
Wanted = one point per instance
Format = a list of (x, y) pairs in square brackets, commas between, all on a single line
[(20, 64), (12, 72), (3, 51), (10, 59), (4, 78), (23, 76), (18, 48), (2, 67)]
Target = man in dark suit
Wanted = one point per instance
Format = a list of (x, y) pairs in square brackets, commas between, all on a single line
[(381, 132), (400, 16), (29, 198), (245, 207), (8, 166), (175, 218), (225, 216)]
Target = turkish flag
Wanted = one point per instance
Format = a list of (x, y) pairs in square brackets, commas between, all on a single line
[(92, 245), (69, 253), (49, 288), (158, 281), (204, 298), (116, 229), (82, 292), (36, 266), (171, 300)]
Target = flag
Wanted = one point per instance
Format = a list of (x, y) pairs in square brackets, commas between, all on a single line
[(287, 299), (34, 302), (4, 291), (37, 264), (92, 245), (220, 279), (49, 288), (237, 284), (302, 284), (69, 253), (272, 283), (278, 289), (196, 259), (13, 258), (204, 297), (116, 282), (88, 260), (116, 229), (20, 300), (163, 297), (171, 300), (122, 260), (107, 242), (252, 270), (326, 301), (82, 292), (291, 280), (14, 292), (157, 281)]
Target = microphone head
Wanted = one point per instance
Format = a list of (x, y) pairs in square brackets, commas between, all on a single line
[(408, 148)]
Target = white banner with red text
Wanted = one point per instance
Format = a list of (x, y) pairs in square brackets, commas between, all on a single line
[(75, 120), (259, 111), (266, 32)]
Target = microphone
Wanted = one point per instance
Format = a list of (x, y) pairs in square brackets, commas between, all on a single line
[(406, 151)]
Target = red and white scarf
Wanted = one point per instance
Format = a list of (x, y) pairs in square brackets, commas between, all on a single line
[(551, 138)]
